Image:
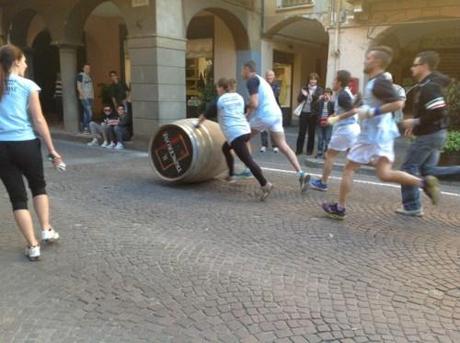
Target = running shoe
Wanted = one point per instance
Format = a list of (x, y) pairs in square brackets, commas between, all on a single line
[(333, 210), (93, 142), (263, 148), (105, 144), (230, 179), (431, 188), (304, 182), (410, 213), (318, 185), (245, 174), (276, 150), (111, 145), (266, 190), (33, 253), (49, 235)]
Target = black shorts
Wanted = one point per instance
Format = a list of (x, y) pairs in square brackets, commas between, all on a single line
[(18, 159)]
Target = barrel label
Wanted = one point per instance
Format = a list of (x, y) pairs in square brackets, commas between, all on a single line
[(171, 152)]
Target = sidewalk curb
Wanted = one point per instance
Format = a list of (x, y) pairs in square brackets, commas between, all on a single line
[(137, 145)]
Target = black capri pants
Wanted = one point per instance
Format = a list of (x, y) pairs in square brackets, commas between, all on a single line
[(241, 150), (18, 159)]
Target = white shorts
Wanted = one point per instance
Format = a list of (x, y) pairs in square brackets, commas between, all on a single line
[(344, 137), (272, 124), (370, 153)]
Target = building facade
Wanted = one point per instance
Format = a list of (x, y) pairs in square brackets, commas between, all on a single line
[(171, 51)]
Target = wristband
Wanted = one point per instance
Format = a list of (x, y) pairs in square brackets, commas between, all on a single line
[(377, 111)]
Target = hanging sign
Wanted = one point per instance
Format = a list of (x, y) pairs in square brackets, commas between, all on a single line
[(139, 3)]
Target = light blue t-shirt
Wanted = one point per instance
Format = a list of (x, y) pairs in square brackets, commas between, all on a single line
[(379, 129), (344, 97), (15, 120), (230, 114)]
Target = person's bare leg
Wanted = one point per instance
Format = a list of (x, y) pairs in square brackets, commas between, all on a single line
[(280, 140), (42, 209), (347, 181), (386, 174), (24, 222), (328, 164)]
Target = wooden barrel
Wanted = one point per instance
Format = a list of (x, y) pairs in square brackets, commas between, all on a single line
[(180, 153)]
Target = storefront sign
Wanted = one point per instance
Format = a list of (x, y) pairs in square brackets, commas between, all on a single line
[(140, 3)]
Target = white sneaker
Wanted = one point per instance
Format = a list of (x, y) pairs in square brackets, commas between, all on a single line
[(111, 145), (93, 142), (410, 213), (275, 150), (119, 146), (263, 148), (50, 235), (33, 253), (265, 191), (105, 144)]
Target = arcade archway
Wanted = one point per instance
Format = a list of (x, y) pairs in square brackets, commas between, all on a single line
[(216, 43), (295, 48)]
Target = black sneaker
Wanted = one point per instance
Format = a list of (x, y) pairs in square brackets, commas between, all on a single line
[(332, 209)]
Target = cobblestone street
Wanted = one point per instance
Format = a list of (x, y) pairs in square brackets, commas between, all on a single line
[(143, 261)]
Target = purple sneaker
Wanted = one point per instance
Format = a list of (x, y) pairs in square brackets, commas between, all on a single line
[(333, 210)]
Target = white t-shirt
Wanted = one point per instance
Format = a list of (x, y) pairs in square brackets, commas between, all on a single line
[(15, 121), (268, 108), (230, 114)]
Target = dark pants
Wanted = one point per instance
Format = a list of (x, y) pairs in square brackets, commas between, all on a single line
[(241, 150), (18, 159), (118, 134), (307, 121), (324, 137), (264, 139), (422, 159)]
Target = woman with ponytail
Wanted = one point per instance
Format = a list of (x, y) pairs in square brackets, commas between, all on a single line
[(20, 153), (234, 125)]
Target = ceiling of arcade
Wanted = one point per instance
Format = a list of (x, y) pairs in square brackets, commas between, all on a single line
[(65, 19)]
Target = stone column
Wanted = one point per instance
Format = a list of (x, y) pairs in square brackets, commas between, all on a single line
[(157, 81), (68, 64), (157, 58)]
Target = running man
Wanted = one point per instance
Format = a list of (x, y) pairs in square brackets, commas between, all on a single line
[(233, 123), (345, 132), (378, 131), (264, 113), (429, 126)]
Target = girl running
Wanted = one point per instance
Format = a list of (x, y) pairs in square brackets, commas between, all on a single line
[(232, 121)]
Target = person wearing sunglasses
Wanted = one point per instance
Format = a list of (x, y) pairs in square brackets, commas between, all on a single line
[(429, 126), (98, 130)]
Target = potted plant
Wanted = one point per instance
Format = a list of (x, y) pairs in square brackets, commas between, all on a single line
[(451, 151)]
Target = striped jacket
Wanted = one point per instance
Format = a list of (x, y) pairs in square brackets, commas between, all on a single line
[(430, 107)]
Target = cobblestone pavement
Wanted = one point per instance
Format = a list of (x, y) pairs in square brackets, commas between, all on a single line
[(143, 261)]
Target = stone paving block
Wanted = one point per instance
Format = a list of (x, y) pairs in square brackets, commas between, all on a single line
[(219, 266)]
